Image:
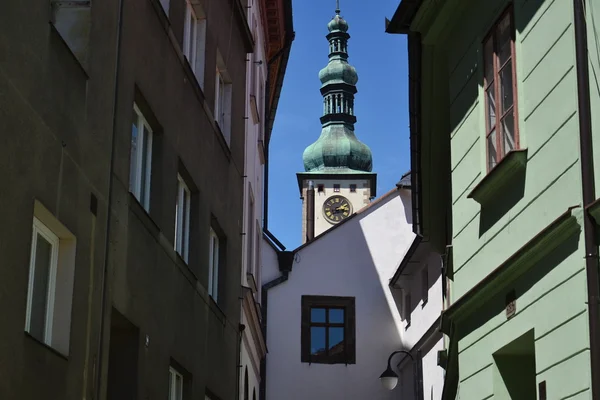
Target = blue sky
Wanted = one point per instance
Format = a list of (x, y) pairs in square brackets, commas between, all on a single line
[(381, 104)]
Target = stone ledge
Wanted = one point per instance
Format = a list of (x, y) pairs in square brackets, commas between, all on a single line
[(499, 177)]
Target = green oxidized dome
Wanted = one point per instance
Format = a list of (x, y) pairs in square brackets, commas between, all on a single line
[(337, 24), (338, 149), (338, 71)]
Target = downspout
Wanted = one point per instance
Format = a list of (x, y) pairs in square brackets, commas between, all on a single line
[(109, 206), (588, 189)]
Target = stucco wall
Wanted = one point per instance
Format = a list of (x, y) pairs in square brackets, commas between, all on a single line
[(357, 259), (483, 237)]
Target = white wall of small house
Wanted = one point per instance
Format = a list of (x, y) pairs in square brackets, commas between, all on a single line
[(357, 260)]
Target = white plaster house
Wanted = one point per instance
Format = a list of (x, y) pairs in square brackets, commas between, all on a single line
[(271, 26), (364, 283)]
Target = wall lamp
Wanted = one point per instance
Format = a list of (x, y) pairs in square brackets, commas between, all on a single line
[(389, 379)]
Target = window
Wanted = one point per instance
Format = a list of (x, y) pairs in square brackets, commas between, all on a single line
[(140, 158), (182, 219), (213, 265), (336, 187), (353, 188), (51, 275), (321, 188), (194, 39), (175, 384), (500, 91), (328, 330), (72, 20), (223, 100)]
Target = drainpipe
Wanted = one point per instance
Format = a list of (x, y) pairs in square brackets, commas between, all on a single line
[(310, 212), (285, 260), (588, 189), (99, 355)]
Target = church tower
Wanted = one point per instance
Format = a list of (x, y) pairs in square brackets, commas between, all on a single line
[(338, 166)]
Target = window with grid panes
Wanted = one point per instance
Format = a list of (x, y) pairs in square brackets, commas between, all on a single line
[(502, 133), (328, 330)]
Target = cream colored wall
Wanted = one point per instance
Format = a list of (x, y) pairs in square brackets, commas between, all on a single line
[(358, 199)]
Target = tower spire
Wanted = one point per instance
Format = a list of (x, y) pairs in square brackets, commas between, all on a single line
[(338, 148), (337, 8)]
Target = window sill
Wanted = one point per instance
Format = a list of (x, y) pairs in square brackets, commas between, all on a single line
[(214, 307), (500, 176), (78, 62), (226, 146), (46, 346), (139, 210)]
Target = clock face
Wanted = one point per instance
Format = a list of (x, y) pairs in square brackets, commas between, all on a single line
[(337, 209)]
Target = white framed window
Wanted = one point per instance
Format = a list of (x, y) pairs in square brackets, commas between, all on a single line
[(223, 89), (213, 265), (194, 39), (175, 384), (42, 282), (182, 219), (51, 279), (140, 160)]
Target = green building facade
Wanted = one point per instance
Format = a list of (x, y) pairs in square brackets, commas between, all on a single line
[(500, 109)]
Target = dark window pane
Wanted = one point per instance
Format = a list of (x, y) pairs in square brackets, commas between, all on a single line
[(503, 33), (492, 153), (41, 278), (336, 337), (317, 340), (317, 315), (491, 107), (508, 132), (506, 88), (488, 59), (336, 316)]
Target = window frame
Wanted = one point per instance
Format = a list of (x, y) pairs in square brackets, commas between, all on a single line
[(190, 35), (182, 220), (173, 375), (220, 99), (145, 137), (320, 188), (213, 265), (348, 356), (353, 187), (40, 228), (499, 115), (337, 188)]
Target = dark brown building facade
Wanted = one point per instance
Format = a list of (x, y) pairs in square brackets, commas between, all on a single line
[(121, 157)]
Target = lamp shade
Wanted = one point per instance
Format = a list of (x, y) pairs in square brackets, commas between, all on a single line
[(389, 379)]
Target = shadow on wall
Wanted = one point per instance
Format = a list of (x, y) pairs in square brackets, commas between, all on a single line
[(542, 268)]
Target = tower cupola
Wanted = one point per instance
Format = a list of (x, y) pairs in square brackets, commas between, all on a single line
[(338, 149)]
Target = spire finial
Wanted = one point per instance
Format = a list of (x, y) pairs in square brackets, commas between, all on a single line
[(337, 9)]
